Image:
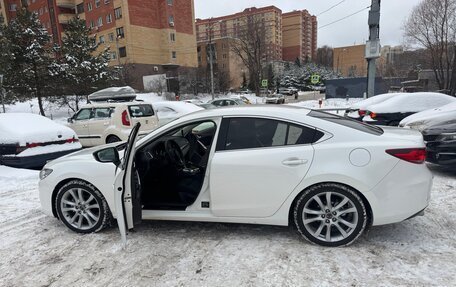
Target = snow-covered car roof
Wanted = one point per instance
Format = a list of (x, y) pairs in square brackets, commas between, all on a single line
[(23, 128), (412, 102), (362, 105), (430, 117)]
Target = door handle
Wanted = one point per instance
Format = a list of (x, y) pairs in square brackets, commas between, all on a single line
[(294, 161)]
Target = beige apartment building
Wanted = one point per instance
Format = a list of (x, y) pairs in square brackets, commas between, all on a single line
[(299, 32), (350, 61)]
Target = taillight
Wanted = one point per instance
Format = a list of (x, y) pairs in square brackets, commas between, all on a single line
[(32, 145), (361, 113), (72, 140), (372, 115), (125, 119), (20, 149), (413, 155)]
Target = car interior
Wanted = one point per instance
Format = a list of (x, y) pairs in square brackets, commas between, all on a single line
[(171, 169)]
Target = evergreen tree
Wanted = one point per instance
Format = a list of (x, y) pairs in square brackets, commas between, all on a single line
[(27, 55), (81, 69)]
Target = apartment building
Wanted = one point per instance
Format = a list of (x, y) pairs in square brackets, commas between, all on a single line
[(145, 37), (299, 32)]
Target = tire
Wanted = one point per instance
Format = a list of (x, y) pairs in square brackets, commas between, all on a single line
[(345, 222), (112, 139), (92, 216)]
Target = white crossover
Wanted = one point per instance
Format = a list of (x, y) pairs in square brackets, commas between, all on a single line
[(329, 176)]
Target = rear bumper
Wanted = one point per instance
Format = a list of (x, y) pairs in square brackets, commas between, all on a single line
[(32, 162), (403, 193)]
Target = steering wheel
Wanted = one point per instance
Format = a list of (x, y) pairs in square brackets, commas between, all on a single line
[(174, 153)]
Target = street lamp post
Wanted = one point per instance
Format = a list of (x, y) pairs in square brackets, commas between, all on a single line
[(211, 62), (1, 93)]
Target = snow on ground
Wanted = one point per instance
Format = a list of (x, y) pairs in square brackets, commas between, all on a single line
[(37, 250)]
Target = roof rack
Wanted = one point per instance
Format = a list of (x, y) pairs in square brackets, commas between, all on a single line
[(113, 94)]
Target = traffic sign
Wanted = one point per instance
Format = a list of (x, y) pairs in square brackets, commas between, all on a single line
[(315, 79), (264, 83)]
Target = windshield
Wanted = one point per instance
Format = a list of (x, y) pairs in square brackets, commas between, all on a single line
[(347, 122)]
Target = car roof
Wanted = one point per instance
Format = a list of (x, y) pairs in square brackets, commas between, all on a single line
[(112, 104), (250, 110)]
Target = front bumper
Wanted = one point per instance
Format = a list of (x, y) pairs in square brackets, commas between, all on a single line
[(441, 153)]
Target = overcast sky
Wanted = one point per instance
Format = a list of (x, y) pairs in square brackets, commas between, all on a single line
[(347, 32)]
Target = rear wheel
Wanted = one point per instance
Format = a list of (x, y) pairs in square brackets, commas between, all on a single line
[(113, 139), (82, 208), (330, 215)]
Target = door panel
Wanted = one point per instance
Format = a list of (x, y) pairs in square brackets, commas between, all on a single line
[(123, 187), (100, 122), (255, 182), (80, 125)]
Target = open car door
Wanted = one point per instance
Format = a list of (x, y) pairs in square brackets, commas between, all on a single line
[(124, 195)]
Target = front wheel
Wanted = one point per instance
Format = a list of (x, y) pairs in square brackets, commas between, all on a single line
[(82, 208), (330, 215)]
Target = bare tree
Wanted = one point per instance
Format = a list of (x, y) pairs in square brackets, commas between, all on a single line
[(325, 56), (432, 25), (250, 47), (157, 85)]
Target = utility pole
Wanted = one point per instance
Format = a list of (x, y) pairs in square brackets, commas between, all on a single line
[(373, 48), (211, 62)]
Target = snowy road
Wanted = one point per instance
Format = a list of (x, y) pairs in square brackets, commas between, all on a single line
[(36, 250)]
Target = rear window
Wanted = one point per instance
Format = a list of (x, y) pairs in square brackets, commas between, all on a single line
[(140, 111), (373, 130)]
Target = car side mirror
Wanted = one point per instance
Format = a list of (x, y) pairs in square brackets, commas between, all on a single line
[(70, 120), (109, 154)]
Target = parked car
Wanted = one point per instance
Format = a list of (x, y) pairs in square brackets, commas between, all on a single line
[(422, 120), (29, 140), (207, 106), (288, 91), (227, 102), (99, 123), (392, 111), (275, 99), (168, 111), (195, 102), (243, 98), (440, 141), (358, 110), (328, 176)]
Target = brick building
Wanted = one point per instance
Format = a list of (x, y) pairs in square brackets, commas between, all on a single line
[(299, 32), (144, 37), (350, 61)]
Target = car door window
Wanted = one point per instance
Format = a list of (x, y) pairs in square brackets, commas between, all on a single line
[(102, 113), (246, 133), (83, 114)]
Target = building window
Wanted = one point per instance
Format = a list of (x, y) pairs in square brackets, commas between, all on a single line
[(80, 8), (173, 54), (172, 37), (224, 56), (41, 11), (12, 7), (118, 13), (46, 9), (101, 40), (107, 1), (122, 52), (113, 55), (97, 3), (111, 37), (120, 32), (100, 21), (108, 18), (92, 24), (89, 6), (171, 20), (170, 2)]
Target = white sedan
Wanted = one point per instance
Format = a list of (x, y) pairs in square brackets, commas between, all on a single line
[(328, 176)]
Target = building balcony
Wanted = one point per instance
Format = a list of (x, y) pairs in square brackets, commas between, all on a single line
[(66, 3), (65, 18)]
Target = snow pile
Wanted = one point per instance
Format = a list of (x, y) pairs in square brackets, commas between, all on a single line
[(430, 117), (412, 103), (26, 128)]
